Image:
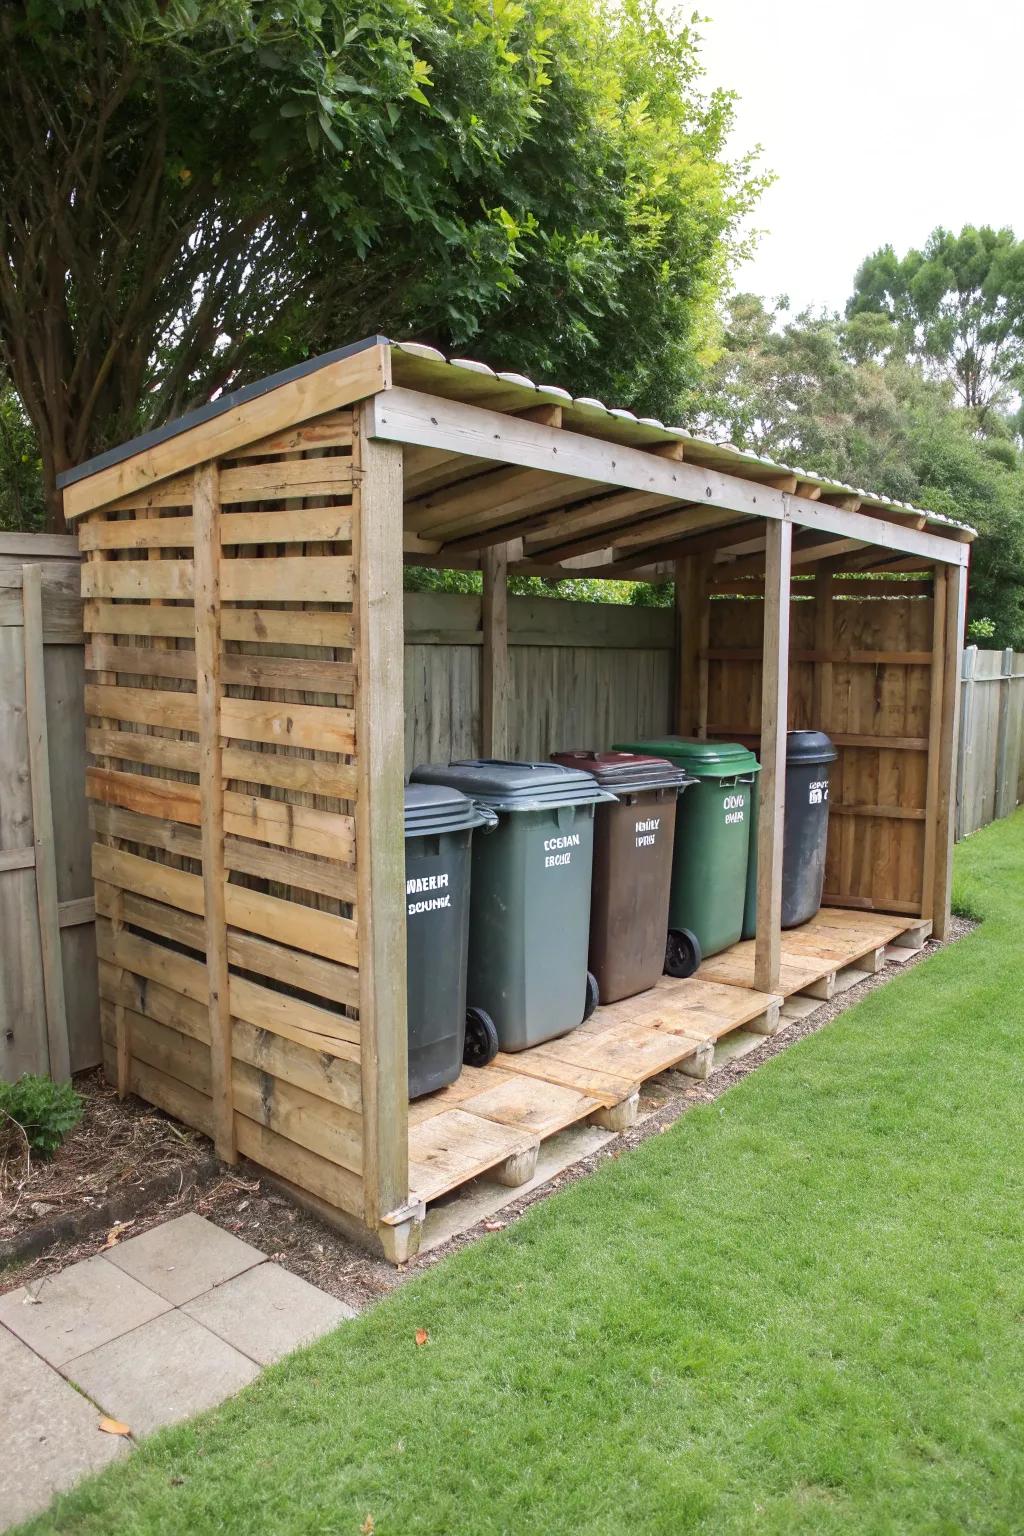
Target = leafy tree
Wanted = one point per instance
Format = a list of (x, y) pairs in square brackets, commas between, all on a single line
[(21, 481), (803, 391), (193, 192), (957, 306)]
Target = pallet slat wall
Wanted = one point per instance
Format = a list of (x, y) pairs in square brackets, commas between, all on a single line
[(875, 704), (222, 644)]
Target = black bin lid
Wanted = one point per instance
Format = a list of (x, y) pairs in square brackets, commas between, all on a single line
[(809, 747), (514, 786), (434, 808), (626, 772)]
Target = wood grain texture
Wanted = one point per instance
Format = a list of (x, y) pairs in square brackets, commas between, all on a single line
[(772, 778), (494, 673)]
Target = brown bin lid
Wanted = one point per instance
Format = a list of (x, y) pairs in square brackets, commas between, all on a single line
[(625, 771)]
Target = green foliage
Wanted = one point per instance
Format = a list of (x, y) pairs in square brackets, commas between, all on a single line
[(234, 185), (981, 630), (21, 481), (575, 589), (805, 391), (46, 1111), (957, 306)]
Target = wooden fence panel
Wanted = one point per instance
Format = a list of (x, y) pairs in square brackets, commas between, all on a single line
[(40, 1029), (990, 760)]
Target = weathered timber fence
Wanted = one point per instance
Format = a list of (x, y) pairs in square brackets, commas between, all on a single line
[(581, 675), (49, 1008), (990, 761)]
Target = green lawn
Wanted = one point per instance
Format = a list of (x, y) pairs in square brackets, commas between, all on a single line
[(800, 1310)]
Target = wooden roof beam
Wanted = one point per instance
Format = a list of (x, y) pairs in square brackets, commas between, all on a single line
[(596, 514), (633, 537), (807, 554), (499, 496), (407, 416)]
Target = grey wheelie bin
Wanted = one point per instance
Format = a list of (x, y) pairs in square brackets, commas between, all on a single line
[(809, 758), (530, 905), (439, 825)]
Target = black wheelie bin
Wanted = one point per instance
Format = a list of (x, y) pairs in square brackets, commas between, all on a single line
[(809, 758), (530, 905), (439, 825)]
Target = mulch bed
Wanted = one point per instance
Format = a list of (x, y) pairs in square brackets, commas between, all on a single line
[(127, 1167)]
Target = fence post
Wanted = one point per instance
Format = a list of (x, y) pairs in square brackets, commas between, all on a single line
[(966, 727), (1001, 808)]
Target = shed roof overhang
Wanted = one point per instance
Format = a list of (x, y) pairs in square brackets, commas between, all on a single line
[(493, 458)]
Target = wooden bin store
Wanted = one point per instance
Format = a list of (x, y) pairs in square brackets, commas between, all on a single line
[(242, 584)]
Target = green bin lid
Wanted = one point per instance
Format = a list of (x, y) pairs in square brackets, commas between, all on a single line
[(704, 759), (626, 772), (434, 808), (512, 786)]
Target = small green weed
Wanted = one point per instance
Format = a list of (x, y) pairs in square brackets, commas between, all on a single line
[(46, 1111)]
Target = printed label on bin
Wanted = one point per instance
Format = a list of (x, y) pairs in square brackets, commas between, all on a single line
[(647, 832), (429, 892), (817, 794), (735, 807), (558, 850)]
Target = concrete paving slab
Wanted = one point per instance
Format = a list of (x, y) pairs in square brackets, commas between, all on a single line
[(50, 1434), (182, 1258), (267, 1312), (163, 1372), (78, 1309)]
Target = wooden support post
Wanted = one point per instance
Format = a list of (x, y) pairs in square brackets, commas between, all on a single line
[(380, 848), (42, 827), (691, 641), (772, 786), (956, 614), (935, 724), (494, 675), (1005, 799), (206, 531), (824, 638)]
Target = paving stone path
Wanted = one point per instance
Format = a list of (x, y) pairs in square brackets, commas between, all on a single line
[(148, 1333)]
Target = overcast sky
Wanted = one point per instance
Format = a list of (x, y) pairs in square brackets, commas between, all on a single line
[(880, 120)]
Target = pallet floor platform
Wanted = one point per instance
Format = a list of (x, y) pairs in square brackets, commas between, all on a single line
[(493, 1119), (821, 957)]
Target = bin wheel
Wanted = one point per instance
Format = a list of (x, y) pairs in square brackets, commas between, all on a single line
[(481, 1038), (682, 953), (593, 996)]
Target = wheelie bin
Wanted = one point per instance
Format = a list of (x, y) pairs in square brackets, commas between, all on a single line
[(809, 757), (709, 864), (633, 841), (439, 825), (530, 903)]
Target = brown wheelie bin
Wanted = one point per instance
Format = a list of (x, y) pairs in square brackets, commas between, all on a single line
[(633, 843)]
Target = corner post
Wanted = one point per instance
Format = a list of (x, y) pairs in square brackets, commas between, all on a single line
[(956, 615), (1005, 793), (772, 787), (935, 729), (494, 674), (380, 845), (206, 532)]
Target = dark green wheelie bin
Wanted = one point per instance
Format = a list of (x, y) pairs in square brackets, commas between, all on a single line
[(530, 905), (439, 825), (709, 864), (809, 758)]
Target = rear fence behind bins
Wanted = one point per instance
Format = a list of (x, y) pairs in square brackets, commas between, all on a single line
[(990, 761)]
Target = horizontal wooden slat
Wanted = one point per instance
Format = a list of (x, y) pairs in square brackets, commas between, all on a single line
[(838, 738), (295, 673), (73, 913), (326, 1076), (285, 579), (842, 658), (287, 478), (885, 812), (288, 922), (297, 725), (17, 858), (169, 1069), (149, 579), (264, 626), (276, 770), (296, 525), (279, 1012), (332, 430)]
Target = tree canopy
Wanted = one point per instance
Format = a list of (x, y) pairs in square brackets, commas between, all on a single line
[(801, 390), (194, 192), (957, 306)]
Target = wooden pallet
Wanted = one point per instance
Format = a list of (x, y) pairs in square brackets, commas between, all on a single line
[(836, 949), (492, 1120)]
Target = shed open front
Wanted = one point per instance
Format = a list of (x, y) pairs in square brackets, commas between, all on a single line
[(242, 579)]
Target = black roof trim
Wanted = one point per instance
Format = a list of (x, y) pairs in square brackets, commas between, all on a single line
[(215, 408)]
